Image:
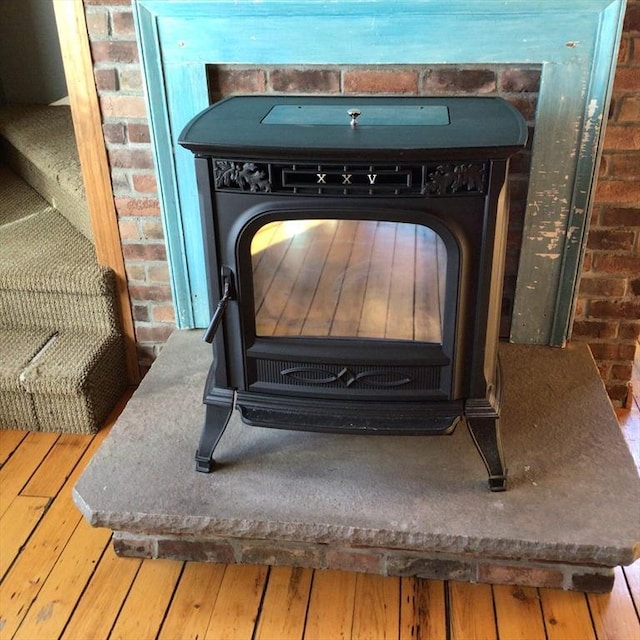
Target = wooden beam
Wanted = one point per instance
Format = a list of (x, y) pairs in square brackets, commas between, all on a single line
[(85, 111)]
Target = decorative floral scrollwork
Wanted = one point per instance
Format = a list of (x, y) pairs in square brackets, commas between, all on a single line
[(246, 176), (448, 179), (226, 174)]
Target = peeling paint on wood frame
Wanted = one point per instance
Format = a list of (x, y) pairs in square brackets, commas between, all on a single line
[(574, 41)]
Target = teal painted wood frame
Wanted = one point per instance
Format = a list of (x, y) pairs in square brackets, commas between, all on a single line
[(574, 41)]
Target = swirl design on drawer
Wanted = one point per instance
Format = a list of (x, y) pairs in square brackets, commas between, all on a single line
[(318, 375)]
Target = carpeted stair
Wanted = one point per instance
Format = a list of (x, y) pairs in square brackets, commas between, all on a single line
[(62, 364)]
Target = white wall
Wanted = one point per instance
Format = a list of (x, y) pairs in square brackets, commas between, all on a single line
[(30, 61)]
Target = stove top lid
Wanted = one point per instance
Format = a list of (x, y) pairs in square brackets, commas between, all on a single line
[(373, 115), (354, 127)]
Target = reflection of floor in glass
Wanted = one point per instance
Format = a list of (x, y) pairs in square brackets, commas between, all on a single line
[(349, 278)]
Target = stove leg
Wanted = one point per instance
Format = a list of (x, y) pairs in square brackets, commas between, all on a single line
[(215, 421), (486, 436)]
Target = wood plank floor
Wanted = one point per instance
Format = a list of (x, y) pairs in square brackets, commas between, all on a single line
[(61, 579)]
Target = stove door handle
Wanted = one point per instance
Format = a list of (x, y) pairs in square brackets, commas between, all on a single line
[(227, 295)]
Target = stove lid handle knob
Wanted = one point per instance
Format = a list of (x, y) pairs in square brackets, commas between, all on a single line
[(354, 113)]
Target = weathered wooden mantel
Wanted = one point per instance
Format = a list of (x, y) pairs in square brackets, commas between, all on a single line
[(574, 41)]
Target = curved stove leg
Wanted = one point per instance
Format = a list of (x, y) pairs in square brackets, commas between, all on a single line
[(486, 436), (215, 421)]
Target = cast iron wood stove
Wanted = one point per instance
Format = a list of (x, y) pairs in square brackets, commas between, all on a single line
[(354, 249)]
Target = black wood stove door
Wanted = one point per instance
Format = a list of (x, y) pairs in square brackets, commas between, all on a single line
[(344, 301)]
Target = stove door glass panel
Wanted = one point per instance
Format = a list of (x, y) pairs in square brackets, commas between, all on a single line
[(349, 278)]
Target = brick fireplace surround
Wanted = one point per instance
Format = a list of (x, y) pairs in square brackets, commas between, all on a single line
[(608, 307)]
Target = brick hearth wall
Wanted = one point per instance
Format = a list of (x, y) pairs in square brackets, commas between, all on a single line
[(608, 311)]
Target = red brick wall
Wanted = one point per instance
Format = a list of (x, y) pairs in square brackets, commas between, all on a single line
[(126, 131), (607, 314), (608, 309)]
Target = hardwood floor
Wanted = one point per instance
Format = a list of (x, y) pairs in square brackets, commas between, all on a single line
[(61, 579)]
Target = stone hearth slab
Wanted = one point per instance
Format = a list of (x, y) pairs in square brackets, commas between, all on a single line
[(398, 505)]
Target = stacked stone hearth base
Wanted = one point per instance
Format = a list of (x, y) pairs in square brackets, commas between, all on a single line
[(389, 505)]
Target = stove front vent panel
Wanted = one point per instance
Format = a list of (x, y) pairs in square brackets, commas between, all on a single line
[(434, 180)]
